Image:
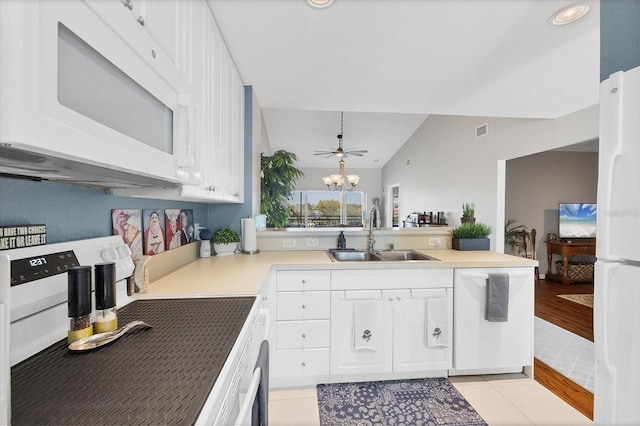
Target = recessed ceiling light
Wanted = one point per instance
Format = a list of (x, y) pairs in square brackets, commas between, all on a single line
[(320, 3), (569, 14)]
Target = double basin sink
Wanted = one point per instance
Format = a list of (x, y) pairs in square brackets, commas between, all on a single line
[(352, 255)]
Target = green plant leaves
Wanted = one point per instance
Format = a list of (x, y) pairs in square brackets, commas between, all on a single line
[(471, 230), (279, 176), (225, 236)]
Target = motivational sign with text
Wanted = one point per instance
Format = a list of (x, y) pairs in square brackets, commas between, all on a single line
[(17, 236)]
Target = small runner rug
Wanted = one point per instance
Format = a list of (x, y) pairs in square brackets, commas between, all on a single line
[(583, 299), (395, 402)]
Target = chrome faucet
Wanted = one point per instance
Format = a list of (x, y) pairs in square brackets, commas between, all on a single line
[(374, 212)]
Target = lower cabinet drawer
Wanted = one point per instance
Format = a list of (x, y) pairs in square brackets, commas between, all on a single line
[(303, 305), (303, 334), (303, 362)]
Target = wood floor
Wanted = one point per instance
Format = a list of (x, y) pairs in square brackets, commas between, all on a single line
[(575, 318)]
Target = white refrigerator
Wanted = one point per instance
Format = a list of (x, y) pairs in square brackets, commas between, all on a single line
[(617, 270)]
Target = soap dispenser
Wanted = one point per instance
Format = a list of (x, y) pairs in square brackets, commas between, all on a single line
[(342, 241)]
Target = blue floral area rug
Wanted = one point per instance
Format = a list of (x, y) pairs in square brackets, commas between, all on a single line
[(416, 402)]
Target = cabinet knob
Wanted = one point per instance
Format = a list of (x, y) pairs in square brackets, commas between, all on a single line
[(303, 364), (304, 306), (304, 336), (391, 299), (304, 281), (128, 4), (398, 298), (140, 20)]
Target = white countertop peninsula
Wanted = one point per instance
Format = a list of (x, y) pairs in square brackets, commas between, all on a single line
[(242, 274)]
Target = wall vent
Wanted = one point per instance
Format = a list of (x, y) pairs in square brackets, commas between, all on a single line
[(482, 130)]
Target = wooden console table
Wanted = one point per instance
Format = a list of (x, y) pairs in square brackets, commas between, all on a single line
[(566, 250)]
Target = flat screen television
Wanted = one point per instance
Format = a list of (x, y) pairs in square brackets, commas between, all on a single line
[(576, 220)]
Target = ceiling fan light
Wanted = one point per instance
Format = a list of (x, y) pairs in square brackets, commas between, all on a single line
[(336, 179), (327, 180), (569, 14), (353, 179)]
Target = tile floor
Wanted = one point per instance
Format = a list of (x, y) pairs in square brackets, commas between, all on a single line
[(567, 353), (508, 399)]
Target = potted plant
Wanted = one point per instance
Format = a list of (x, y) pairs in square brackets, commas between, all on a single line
[(225, 241), (471, 236), (515, 237), (278, 178), (468, 213)]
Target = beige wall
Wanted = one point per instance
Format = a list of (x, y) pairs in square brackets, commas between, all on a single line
[(449, 166), (535, 184)]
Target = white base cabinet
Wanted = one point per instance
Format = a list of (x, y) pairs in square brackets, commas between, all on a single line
[(302, 324), (422, 329), (378, 331), (361, 332)]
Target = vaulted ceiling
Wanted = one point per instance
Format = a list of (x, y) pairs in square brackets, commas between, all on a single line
[(390, 63)]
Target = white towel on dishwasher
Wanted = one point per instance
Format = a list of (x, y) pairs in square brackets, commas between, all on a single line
[(365, 319), (437, 328)]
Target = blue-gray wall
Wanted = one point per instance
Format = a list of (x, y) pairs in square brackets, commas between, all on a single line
[(619, 36), (73, 212)]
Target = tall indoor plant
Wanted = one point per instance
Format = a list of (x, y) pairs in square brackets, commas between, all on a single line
[(279, 176)]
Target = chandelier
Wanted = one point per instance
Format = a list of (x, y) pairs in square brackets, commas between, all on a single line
[(340, 180)]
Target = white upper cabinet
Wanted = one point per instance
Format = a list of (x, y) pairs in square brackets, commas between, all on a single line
[(218, 98), (142, 94), (157, 30), (74, 89)]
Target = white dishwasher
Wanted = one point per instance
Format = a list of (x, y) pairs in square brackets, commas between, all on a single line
[(484, 347)]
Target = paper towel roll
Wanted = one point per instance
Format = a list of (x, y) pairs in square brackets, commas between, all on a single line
[(249, 240)]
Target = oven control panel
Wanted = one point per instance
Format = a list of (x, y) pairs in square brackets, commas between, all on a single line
[(41, 266)]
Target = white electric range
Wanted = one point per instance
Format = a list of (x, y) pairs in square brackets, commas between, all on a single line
[(34, 321)]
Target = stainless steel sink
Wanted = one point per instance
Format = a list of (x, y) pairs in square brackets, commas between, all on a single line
[(352, 256), (376, 256), (403, 255)]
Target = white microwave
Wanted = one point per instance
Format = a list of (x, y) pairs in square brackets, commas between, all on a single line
[(76, 86)]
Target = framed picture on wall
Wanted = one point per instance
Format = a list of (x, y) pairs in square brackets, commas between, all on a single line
[(172, 228), (187, 227), (128, 224), (153, 237)]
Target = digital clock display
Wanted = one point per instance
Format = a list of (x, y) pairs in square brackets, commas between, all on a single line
[(38, 261), (41, 266)]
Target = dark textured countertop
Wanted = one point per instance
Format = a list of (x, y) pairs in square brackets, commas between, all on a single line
[(161, 375)]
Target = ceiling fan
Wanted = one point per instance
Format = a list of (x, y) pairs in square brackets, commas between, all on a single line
[(340, 151)]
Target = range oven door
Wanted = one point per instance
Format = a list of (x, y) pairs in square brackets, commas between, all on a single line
[(235, 384), (74, 87)]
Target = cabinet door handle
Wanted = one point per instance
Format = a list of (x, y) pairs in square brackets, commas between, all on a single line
[(128, 4), (398, 298), (391, 299), (304, 281), (140, 20)]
